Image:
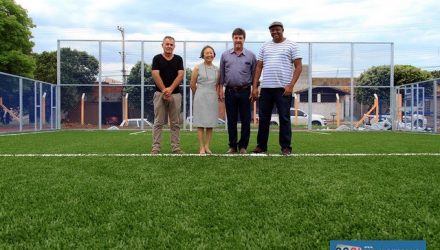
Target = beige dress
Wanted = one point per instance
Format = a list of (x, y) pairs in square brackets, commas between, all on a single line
[(206, 99)]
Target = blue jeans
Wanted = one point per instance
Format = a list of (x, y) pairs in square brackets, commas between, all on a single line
[(269, 98), (237, 104)]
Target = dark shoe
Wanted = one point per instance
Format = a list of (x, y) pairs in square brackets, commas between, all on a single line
[(286, 151), (231, 151), (178, 152), (242, 151), (258, 150), (155, 152)]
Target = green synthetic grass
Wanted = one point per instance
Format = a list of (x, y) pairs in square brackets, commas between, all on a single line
[(302, 142), (217, 202)]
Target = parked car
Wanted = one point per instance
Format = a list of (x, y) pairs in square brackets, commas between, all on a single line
[(418, 119), (303, 118), (135, 123)]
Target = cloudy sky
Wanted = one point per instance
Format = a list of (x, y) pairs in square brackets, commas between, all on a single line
[(413, 26)]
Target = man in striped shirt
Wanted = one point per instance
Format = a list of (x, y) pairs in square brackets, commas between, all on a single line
[(280, 62)]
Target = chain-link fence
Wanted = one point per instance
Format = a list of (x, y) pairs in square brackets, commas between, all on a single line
[(26, 104), (329, 94)]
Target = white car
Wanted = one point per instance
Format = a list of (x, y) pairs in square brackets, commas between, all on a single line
[(417, 118), (302, 118)]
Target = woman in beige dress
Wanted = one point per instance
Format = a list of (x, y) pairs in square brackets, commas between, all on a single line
[(203, 85)]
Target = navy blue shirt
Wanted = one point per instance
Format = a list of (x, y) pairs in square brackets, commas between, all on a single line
[(237, 70)]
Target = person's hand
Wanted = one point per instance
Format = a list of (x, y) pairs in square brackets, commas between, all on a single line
[(167, 91), (167, 98), (221, 95), (288, 90), (254, 94)]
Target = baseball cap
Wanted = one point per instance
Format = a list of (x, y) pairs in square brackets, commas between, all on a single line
[(276, 23)]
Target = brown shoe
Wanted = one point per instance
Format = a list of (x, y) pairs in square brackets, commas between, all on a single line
[(286, 151), (242, 151), (155, 152), (231, 151), (178, 152), (259, 150)]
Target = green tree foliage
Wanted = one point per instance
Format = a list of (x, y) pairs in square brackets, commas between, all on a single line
[(435, 73), (134, 92), (46, 67), (77, 67), (15, 40), (380, 76)]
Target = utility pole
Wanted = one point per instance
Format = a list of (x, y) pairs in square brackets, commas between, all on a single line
[(124, 75)]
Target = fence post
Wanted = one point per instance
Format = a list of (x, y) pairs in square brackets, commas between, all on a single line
[(435, 105), (338, 110), (58, 89), (100, 86), (142, 85), (43, 109), (82, 108), (352, 86), (20, 108), (392, 90), (310, 86)]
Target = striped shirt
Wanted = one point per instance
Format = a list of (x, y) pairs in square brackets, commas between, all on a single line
[(277, 61)]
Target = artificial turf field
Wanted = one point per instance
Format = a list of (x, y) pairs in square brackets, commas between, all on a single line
[(101, 189)]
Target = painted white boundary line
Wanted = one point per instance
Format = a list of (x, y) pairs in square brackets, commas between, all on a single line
[(222, 155), (139, 132), (29, 133), (320, 132)]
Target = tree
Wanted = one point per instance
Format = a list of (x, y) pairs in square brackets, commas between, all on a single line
[(77, 67), (380, 76), (15, 40), (435, 73), (46, 67), (134, 92)]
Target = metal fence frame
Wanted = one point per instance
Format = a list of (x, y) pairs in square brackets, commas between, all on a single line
[(38, 99), (414, 88), (227, 45)]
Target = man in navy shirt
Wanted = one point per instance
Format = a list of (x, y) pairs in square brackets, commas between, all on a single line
[(237, 68)]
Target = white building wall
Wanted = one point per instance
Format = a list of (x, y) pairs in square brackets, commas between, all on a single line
[(325, 108)]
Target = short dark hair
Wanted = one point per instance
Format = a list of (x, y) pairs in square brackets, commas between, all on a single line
[(203, 50), (238, 32)]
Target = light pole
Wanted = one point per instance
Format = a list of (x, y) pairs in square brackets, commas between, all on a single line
[(124, 75)]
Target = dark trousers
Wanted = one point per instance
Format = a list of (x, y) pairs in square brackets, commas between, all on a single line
[(269, 98), (237, 103)]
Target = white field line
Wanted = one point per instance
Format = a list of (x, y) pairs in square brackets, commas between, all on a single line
[(321, 133), (222, 155), (29, 133), (139, 132)]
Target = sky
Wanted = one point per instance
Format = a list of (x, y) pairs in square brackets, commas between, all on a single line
[(412, 26)]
